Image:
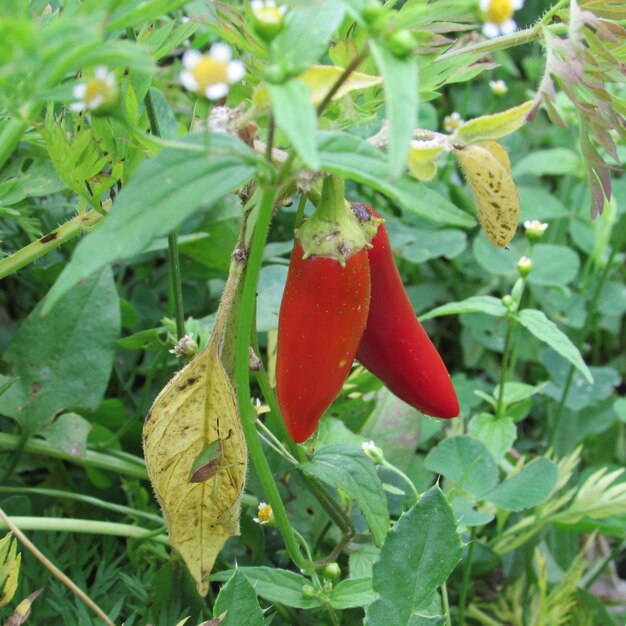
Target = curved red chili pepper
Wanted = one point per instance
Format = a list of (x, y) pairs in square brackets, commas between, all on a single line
[(395, 346), (321, 321)]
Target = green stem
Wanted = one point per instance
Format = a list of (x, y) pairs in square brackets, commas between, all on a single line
[(87, 526), (242, 377), (505, 358), (79, 497), (401, 474), (332, 204), (446, 604), (483, 618), (561, 407), (551, 12), (596, 572), (177, 290), (128, 466), (466, 577), (356, 61), (42, 246)]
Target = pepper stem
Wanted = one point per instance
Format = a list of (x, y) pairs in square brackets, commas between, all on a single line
[(332, 205)]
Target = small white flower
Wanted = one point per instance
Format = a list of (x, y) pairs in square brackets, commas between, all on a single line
[(92, 95), (265, 514), (524, 265), (452, 122), (368, 445), (498, 16), (211, 74), (535, 229), (372, 451), (499, 87)]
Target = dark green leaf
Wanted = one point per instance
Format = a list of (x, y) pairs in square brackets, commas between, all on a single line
[(417, 557), (532, 486), (65, 359), (351, 593), (238, 600), (69, 433), (467, 462), (473, 304), (166, 190), (553, 265), (347, 468), (400, 78), (497, 434)]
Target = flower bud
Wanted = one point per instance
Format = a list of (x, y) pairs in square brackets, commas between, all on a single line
[(524, 265), (498, 87), (401, 43), (308, 591), (508, 302), (332, 571), (372, 451), (268, 18), (186, 348), (534, 229)]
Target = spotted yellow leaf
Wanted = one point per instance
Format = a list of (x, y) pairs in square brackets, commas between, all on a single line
[(488, 171), (9, 568), (319, 79), (421, 159), (195, 451)]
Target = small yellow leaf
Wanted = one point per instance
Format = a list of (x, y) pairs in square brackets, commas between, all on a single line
[(421, 159), (487, 169), (196, 453), (319, 79), (9, 568), (495, 126)]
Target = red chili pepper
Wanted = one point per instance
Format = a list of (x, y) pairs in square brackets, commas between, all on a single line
[(395, 346), (321, 321)]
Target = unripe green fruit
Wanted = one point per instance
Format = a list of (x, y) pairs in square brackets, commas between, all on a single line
[(401, 43)]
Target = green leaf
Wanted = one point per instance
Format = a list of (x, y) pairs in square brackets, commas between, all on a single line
[(473, 304), (68, 433), (539, 204), (275, 585), (532, 486), (238, 600), (545, 330), (467, 515), (498, 434), (356, 159), (432, 244), (495, 126), (554, 161), (517, 392), (553, 265), (417, 557), (351, 593), (65, 359), (467, 462), (305, 35), (347, 468), (400, 79), (295, 116), (166, 190)]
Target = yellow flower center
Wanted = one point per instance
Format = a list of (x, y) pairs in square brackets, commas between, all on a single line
[(269, 15), (99, 93), (209, 71), (265, 514), (499, 11)]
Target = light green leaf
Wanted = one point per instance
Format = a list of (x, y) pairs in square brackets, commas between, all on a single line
[(400, 78), (351, 593), (238, 600), (274, 585), (347, 468), (532, 486), (417, 557), (65, 359), (495, 126), (473, 304), (467, 462), (553, 265), (166, 190), (69, 433), (295, 116), (356, 159), (498, 434), (545, 330), (554, 161), (305, 35), (517, 392)]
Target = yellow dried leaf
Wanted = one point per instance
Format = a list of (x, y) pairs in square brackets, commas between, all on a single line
[(319, 79), (488, 172), (421, 159), (197, 409), (9, 568)]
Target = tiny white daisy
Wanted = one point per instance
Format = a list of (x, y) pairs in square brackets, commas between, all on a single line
[(498, 16), (211, 74), (265, 514), (95, 94), (498, 87)]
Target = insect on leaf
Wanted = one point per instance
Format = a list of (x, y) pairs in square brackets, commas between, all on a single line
[(196, 453), (488, 171)]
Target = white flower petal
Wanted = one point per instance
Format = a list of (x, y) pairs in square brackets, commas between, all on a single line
[(256, 5), (77, 107), (217, 91), (79, 90), (508, 27), (101, 72), (516, 5), (283, 9), (191, 58), (490, 30), (484, 5), (95, 102), (221, 52), (188, 81), (235, 71), (109, 80)]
